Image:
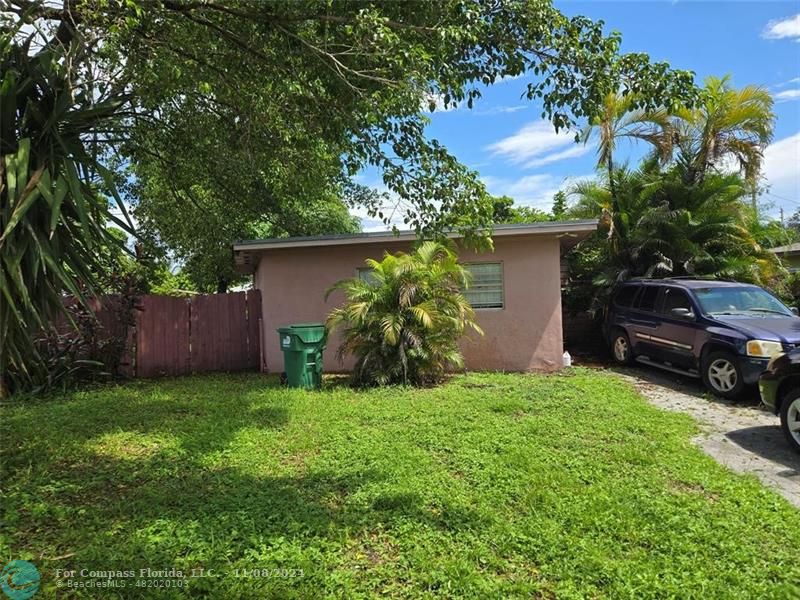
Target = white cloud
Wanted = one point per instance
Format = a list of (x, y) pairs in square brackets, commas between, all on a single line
[(783, 28), (505, 78), (782, 159), (788, 95), (537, 144), (790, 82), (573, 152), (531, 190), (782, 171), (495, 110), (392, 207), (438, 101)]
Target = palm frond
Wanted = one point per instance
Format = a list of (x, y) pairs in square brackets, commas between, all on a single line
[(404, 327)]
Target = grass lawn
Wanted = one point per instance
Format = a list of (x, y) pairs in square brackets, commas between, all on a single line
[(490, 486)]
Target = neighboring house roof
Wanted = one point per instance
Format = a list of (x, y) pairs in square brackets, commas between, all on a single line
[(790, 249), (570, 232)]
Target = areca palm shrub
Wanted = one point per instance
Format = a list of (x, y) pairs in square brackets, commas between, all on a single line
[(403, 322)]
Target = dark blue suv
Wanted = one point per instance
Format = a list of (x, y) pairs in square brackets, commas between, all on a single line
[(724, 332)]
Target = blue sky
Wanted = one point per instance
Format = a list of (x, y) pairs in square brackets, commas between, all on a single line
[(517, 154)]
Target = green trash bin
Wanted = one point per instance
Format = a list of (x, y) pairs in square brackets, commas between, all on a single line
[(302, 346)]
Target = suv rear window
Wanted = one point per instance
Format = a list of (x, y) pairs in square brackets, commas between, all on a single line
[(624, 297), (647, 299)]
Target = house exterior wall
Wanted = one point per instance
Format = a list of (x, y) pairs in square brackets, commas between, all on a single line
[(524, 335)]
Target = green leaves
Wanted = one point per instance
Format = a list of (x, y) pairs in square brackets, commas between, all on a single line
[(52, 214), (275, 102), (403, 325), (681, 215), (663, 226), (728, 123)]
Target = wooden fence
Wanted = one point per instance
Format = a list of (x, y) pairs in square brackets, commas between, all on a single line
[(215, 332), (178, 336)]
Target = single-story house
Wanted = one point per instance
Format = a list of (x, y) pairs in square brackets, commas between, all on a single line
[(789, 255), (516, 289)]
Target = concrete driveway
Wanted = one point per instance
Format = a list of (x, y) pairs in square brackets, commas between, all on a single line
[(742, 435)]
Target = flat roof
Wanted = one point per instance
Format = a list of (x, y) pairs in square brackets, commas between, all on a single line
[(245, 251), (546, 227), (788, 249)]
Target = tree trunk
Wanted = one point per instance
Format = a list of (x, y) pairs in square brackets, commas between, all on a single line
[(222, 285), (611, 187), (613, 238)]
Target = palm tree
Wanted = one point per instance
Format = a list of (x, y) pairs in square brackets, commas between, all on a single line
[(620, 119), (687, 218), (727, 124), (404, 320), (663, 226), (704, 228), (621, 215)]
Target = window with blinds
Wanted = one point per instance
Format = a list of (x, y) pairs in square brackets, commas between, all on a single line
[(486, 289)]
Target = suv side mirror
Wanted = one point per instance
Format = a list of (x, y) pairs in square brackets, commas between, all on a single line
[(795, 311), (682, 313)]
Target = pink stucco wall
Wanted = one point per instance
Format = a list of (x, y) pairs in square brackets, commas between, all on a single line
[(524, 335)]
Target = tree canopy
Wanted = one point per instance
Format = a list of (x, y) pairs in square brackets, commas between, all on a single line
[(283, 97), (244, 108)]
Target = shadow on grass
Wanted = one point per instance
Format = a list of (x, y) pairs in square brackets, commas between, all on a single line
[(202, 413), (166, 503), (218, 516)]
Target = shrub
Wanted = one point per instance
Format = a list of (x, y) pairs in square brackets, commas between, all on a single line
[(404, 320)]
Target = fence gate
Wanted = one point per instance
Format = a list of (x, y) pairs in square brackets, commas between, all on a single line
[(214, 332)]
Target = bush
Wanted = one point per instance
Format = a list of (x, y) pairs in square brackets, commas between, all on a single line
[(403, 322)]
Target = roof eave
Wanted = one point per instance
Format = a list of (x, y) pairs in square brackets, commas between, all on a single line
[(246, 253), (547, 228)]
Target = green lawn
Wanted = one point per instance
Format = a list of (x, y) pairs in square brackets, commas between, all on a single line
[(490, 486)]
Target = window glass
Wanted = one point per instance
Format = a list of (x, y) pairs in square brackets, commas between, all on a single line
[(366, 274), (675, 298), (748, 301), (647, 299), (486, 287), (624, 297)]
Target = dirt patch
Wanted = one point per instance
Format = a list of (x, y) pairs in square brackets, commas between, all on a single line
[(743, 435), (692, 489)]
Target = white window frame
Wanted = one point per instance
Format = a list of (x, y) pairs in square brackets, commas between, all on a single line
[(500, 288)]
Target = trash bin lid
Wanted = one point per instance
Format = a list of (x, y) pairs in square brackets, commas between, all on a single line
[(310, 333)]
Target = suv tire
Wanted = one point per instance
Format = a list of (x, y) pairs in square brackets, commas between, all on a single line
[(621, 348), (722, 374), (790, 416)]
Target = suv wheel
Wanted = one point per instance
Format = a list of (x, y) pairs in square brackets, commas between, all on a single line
[(722, 375), (790, 418), (621, 348)]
